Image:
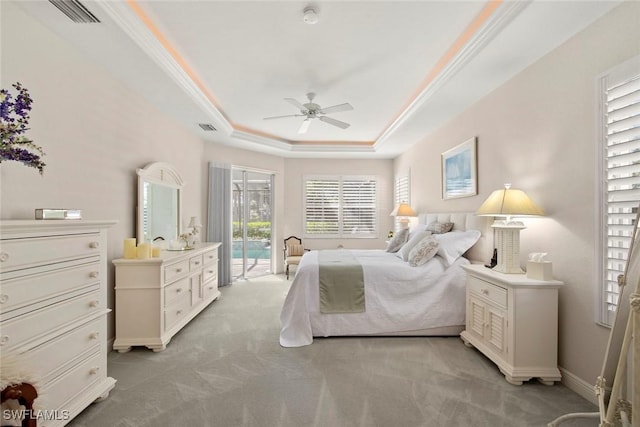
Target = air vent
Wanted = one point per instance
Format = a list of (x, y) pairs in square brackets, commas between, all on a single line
[(207, 127), (76, 11)]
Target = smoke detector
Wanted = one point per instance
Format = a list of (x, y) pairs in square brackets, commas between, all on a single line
[(309, 16)]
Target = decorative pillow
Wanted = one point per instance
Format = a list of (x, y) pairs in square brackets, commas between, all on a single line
[(426, 249), (440, 227), (293, 249), (416, 228), (453, 245), (398, 240), (414, 239)]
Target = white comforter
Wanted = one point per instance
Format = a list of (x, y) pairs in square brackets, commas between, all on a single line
[(398, 298)]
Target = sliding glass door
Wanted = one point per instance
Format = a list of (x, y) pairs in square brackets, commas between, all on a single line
[(252, 223)]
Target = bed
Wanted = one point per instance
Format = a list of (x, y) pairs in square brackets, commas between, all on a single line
[(424, 300)]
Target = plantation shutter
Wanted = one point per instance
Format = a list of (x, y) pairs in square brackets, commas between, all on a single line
[(359, 207), (322, 207), (623, 181), (401, 195), (340, 207)]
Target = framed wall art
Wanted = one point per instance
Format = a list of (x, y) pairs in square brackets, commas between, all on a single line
[(460, 171)]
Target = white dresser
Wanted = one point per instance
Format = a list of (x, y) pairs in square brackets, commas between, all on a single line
[(513, 320), (157, 297), (53, 312)]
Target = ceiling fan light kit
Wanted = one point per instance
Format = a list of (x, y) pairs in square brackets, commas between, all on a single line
[(311, 110), (309, 16)]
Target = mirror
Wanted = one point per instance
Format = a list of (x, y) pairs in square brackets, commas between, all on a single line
[(159, 203)]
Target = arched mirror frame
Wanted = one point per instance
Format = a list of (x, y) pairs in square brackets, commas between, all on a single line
[(161, 177)]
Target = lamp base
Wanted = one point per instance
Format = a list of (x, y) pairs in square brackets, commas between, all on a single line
[(508, 246)]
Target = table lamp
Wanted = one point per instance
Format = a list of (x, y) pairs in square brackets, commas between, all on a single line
[(506, 203), (403, 211)]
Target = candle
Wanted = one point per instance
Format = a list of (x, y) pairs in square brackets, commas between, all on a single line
[(130, 248), (144, 251), (155, 251)]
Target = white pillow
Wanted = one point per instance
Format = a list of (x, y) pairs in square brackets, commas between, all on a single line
[(454, 244), (426, 249), (416, 228), (414, 239), (398, 240)]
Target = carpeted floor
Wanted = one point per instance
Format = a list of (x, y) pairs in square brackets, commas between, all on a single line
[(226, 368)]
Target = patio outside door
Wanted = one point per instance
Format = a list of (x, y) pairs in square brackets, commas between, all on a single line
[(252, 201)]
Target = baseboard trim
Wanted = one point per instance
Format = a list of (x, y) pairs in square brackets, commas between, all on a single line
[(578, 385)]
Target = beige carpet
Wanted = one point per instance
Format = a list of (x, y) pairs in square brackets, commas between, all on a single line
[(226, 368)]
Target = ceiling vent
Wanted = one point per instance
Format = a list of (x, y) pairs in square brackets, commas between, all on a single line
[(76, 11), (207, 127)]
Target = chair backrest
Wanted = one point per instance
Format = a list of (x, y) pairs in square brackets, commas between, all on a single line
[(292, 239)]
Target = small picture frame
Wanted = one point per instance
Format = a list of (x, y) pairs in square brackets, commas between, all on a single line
[(460, 171)]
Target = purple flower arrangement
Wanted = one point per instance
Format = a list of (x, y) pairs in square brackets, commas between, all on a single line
[(14, 119)]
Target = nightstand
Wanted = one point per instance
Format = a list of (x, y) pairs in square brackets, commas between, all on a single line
[(513, 320)]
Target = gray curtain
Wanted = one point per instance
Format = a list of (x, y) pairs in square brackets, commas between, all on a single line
[(219, 218)]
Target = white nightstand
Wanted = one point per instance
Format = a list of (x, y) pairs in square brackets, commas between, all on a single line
[(513, 320)]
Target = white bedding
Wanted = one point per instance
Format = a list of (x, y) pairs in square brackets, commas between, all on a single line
[(398, 298)]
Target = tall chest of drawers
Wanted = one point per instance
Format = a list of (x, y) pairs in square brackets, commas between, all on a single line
[(157, 297), (53, 312)]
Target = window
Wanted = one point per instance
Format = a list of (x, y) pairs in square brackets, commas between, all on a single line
[(401, 194), (340, 206), (620, 173)]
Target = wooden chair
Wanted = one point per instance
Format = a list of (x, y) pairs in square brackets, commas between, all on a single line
[(25, 394), (293, 251)]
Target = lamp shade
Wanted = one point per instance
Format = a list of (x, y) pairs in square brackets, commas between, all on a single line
[(403, 209), (509, 202)]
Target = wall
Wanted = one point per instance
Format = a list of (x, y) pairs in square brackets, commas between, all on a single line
[(95, 133), (538, 131), (296, 169)]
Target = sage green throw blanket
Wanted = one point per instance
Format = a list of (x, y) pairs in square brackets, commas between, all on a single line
[(341, 282)]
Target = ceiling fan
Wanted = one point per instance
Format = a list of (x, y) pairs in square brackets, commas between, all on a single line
[(311, 110)]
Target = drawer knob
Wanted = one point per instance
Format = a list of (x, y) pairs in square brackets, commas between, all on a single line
[(4, 298), (94, 303), (485, 291), (4, 256), (94, 335), (179, 312), (94, 274), (210, 287), (178, 270), (94, 245), (4, 339), (94, 371), (179, 290), (197, 262)]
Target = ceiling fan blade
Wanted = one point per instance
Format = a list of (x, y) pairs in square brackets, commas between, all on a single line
[(295, 103), (334, 122), (304, 127), (280, 117), (335, 108)]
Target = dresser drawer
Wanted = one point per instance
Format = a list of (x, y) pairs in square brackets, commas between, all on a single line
[(210, 273), (29, 252), (19, 330), (488, 290), (176, 290), (195, 263), (37, 287), (73, 383), (175, 271), (210, 257), (176, 311), (209, 288), (48, 358)]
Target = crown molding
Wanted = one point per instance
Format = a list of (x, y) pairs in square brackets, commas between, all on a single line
[(504, 15), (129, 22)]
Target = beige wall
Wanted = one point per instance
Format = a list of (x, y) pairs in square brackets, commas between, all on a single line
[(538, 131), (296, 169)]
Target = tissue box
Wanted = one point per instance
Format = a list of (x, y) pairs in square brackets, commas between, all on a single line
[(539, 270)]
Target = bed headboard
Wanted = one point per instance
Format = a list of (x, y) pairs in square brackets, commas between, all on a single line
[(481, 251)]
